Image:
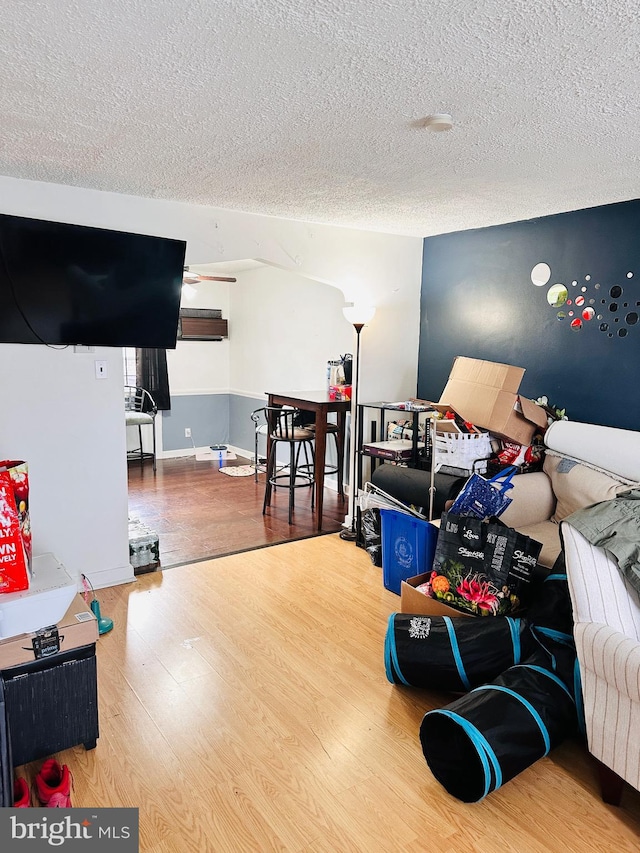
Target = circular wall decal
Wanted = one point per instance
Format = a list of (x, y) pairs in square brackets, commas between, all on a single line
[(541, 274), (557, 295)]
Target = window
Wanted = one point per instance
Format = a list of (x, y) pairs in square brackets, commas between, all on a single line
[(129, 365)]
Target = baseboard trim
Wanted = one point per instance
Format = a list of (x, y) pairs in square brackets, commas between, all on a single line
[(111, 577)]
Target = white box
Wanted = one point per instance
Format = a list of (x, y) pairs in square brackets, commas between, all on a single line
[(45, 602)]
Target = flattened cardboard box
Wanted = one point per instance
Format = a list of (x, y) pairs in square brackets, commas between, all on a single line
[(78, 627), (486, 394), (413, 601)]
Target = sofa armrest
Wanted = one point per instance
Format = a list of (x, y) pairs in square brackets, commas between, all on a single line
[(533, 500), (599, 591), (609, 655)]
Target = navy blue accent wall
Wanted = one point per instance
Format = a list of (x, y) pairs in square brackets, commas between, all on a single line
[(478, 300)]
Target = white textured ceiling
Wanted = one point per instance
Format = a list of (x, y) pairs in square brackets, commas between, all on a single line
[(312, 109)]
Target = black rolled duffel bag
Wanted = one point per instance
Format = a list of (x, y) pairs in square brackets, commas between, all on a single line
[(485, 738), (456, 654)]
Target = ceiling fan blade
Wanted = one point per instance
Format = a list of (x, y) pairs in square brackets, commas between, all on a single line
[(194, 278)]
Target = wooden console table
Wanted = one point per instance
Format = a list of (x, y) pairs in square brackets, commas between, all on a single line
[(319, 403)]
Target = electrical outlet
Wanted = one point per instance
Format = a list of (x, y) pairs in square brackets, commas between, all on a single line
[(187, 432)]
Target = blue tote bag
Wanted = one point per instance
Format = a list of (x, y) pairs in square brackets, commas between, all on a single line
[(485, 498)]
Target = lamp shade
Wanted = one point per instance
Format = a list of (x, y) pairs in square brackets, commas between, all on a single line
[(359, 314)]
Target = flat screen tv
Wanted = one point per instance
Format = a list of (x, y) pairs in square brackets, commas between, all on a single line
[(71, 284)]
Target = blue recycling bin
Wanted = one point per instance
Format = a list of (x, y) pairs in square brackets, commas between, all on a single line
[(408, 547)]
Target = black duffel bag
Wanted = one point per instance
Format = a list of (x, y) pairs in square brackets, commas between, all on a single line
[(485, 738), (457, 654)]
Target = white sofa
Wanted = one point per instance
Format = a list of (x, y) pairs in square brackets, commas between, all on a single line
[(584, 464), (606, 612)]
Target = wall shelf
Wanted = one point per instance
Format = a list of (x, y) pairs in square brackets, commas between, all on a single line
[(202, 324)]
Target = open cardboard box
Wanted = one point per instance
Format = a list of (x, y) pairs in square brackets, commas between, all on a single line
[(486, 394), (78, 627), (413, 601)]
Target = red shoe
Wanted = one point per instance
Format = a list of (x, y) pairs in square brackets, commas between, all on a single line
[(53, 785), (21, 794)]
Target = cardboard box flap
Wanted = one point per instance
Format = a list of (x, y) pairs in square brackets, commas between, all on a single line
[(478, 404), (533, 412), (504, 377), (485, 394)]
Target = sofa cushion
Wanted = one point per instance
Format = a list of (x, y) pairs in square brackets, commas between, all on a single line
[(548, 534), (577, 485)]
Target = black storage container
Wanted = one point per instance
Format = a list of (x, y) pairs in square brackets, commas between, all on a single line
[(6, 763), (52, 704)]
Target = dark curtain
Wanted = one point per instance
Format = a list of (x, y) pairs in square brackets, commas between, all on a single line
[(152, 374)]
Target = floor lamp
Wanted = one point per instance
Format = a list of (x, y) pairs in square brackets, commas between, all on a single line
[(358, 316)]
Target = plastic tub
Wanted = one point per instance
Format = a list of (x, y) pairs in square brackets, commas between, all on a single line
[(45, 602)]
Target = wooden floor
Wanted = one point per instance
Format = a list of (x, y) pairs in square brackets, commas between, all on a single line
[(244, 707), (199, 513)]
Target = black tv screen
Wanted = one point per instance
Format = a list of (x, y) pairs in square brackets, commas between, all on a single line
[(71, 284)]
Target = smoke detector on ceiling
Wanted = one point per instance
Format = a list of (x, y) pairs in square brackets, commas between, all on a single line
[(438, 122)]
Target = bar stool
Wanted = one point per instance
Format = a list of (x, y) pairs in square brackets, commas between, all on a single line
[(338, 468), (260, 428), (140, 410), (282, 429)]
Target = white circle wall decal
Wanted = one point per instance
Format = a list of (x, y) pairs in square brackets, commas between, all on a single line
[(540, 274)]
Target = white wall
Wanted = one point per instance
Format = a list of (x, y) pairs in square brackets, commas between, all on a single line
[(69, 426), (283, 329), (202, 367)]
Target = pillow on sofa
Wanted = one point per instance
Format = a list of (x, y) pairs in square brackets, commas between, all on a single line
[(577, 485)]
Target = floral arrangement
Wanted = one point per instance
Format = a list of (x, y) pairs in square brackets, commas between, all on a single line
[(553, 412), (471, 591)]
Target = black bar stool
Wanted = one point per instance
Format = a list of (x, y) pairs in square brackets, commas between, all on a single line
[(283, 429)]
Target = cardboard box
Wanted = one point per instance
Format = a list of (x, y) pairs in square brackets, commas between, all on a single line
[(78, 627), (412, 601), (486, 394)]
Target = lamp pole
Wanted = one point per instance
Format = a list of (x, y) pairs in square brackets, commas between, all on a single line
[(358, 316)]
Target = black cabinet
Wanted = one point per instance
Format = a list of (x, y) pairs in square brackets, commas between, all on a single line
[(52, 704), (6, 763)]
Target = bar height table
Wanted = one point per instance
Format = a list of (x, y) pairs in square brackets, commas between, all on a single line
[(319, 403)]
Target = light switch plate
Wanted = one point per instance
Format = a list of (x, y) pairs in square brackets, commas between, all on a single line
[(101, 369)]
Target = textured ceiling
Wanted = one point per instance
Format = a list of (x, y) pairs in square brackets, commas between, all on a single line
[(313, 109)]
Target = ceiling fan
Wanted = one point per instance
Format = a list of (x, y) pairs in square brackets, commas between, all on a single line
[(194, 277)]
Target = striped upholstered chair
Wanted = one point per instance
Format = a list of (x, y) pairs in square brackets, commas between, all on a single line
[(606, 611)]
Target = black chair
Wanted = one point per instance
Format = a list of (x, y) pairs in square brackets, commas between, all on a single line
[(140, 410), (282, 429), (260, 428)]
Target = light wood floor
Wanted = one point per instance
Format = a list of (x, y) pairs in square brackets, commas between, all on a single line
[(244, 707)]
